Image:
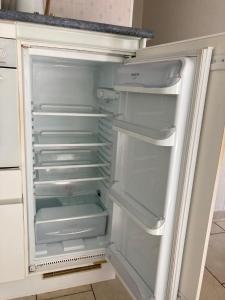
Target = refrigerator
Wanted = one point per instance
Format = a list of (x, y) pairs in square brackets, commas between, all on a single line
[(110, 146)]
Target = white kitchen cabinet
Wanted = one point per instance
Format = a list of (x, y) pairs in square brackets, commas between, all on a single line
[(10, 185), (12, 265), (12, 259), (9, 106)]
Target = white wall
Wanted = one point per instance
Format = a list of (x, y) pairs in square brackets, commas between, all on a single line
[(174, 20)]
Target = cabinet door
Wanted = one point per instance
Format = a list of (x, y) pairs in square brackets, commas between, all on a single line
[(12, 242), (9, 119), (10, 186)]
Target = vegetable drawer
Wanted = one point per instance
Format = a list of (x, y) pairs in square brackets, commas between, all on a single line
[(62, 223)]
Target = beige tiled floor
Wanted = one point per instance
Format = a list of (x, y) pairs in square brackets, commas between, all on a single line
[(213, 287), (216, 229), (113, 289), (221, 224), (61, 293), (106, 290)]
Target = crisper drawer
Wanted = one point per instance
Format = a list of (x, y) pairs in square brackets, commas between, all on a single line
[(70, 222)]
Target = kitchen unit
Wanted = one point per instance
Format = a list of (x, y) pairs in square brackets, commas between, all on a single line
[(109, 140), (11, 207)]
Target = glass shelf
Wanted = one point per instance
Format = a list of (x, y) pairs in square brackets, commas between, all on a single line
[(68, 139), (69, 176), (70, 111)]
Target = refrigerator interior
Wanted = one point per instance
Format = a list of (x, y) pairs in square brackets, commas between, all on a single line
[(104, 145), (72, 149)]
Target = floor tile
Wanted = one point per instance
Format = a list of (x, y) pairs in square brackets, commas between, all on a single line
[(215, 261), (219, 215), (26, 298), (211, 288), (80, 296), (221, 224), (216, 229), (65, 292), (112, 288)]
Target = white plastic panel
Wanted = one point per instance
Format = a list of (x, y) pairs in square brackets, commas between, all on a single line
[(9, 119)]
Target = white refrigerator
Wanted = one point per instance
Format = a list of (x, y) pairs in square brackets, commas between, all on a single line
[(111, 145)]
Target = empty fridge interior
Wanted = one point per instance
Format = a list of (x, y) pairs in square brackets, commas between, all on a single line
[(72, 109)]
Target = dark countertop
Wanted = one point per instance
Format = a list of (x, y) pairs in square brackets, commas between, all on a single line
[(73, 23)]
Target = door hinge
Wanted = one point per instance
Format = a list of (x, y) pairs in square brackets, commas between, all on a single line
[(218, 62)]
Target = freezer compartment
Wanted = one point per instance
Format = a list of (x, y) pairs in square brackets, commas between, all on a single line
[(69, 222)]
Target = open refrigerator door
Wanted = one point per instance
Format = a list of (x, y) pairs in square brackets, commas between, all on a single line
[(162, 102)]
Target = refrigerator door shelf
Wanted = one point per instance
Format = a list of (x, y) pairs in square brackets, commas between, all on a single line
[(150, 76), (165, 137), (128, 275), (150, 223), (170, 90)]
